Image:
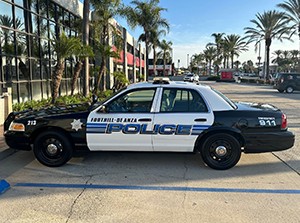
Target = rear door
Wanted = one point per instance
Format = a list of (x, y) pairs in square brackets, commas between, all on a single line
[(182, 115)]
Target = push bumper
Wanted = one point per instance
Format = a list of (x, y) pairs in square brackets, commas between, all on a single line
[(268, 142)]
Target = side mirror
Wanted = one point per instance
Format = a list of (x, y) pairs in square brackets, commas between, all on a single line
[(103, 109)]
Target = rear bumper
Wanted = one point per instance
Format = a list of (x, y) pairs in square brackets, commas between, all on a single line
[(268, 142)]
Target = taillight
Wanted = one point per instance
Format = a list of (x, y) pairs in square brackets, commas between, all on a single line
[(283, 122)]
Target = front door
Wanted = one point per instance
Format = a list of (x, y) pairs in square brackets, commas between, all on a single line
[(122, 123)]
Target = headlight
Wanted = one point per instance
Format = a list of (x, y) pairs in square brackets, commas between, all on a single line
[(19, 127)]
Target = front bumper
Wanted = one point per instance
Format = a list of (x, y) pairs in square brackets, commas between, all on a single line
[(17, 140), (268, 142)]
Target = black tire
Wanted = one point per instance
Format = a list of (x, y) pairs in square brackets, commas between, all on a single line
[(225, 143), (280, 91), (52, 149), (289, 89)]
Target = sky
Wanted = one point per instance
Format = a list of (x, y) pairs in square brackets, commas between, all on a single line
[(192, 22)]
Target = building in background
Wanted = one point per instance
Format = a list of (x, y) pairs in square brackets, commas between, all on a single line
[(159, 68), (26, 56)]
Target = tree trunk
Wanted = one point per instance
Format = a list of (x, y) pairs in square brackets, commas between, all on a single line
[(232, 57), (154, 60), (78, 68), (85, 40), (147, 58), (164, 69), (100, 75), (56, 79), (268, 44)]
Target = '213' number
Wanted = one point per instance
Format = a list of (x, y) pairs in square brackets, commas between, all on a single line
[(31, 122)]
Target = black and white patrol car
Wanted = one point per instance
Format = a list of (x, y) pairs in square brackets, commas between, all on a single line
[(156, 116)]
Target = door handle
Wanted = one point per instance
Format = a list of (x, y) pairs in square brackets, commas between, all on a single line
[(200, 120), (145, 120)]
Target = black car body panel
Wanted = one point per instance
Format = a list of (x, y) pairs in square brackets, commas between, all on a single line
[(54, 118), (255, 137)]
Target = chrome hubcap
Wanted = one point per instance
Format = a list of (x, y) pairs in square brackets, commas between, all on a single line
[(52, 149), (221, 151)]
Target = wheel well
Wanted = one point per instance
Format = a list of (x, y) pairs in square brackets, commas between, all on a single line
[(50, 128), (203, 137)]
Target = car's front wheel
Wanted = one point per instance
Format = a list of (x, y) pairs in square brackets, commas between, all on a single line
[(52, 148), (221, 151)]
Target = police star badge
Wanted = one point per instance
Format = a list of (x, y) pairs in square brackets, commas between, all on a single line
[(76, 124)]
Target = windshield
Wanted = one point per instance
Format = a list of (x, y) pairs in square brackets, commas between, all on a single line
[(231, 103)]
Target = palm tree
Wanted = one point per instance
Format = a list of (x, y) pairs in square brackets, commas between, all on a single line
[(237, 64), (235, 45), (155, 34), (146, 14), (104, 31), (225, 54), (80, 55), (278, 54), (210, 54), (294, 54), (64, 47), (166, 50), (292, 9), (197, 60), (268, 26), (218, 44)]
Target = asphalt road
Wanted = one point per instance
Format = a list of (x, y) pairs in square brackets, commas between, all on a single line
[(164, 187)]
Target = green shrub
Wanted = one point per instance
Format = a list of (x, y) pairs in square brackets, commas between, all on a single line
[(62, 100)]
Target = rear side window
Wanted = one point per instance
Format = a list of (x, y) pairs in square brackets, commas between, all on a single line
[(182, 100)]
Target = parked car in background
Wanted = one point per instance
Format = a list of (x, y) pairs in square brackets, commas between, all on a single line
[(287, 82), (191, 77), (246, 77)]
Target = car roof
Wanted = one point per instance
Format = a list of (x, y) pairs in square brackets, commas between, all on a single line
[(176, 84)]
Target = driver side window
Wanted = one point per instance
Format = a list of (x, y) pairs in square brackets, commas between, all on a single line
[(139, 101)]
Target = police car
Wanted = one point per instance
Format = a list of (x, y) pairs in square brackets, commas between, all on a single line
[(158, 116)]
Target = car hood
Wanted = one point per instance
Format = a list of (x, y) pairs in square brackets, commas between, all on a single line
[(255, 106), (51, 111)]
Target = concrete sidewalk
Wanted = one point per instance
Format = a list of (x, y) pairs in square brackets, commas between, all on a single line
[(2, 141), (5, 151)]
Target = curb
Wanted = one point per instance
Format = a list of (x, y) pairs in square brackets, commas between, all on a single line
[(4, 186)]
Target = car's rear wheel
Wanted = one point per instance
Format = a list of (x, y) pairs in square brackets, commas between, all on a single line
[(289, 89), (52, 149), (221, 151), (280, 91)]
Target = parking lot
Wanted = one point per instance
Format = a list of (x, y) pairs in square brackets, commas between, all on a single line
[(160, 187)]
